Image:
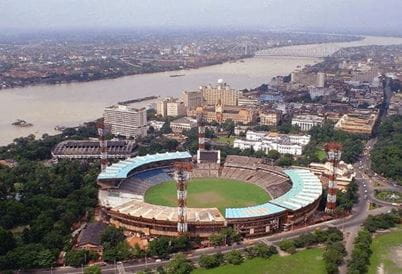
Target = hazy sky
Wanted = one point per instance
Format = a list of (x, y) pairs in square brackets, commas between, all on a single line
[(330, 15)]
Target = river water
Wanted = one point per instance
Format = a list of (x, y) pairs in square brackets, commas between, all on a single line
[(72, 104)]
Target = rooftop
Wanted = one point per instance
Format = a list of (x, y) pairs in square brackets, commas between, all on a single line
[(91, 234), (306, 188), (167, 213), (121, 169)]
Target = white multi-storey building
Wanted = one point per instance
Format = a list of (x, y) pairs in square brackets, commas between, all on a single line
[(126, 121), (283, 143), (307, 121)]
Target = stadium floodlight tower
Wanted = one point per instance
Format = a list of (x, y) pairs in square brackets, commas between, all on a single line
[(102, 143), (181, 176), (333, 150), (201, 135)]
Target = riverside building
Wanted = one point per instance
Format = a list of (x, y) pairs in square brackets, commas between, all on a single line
[(126, 121)]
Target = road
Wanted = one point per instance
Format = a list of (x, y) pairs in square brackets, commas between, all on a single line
[(353, 221), (350, 225)]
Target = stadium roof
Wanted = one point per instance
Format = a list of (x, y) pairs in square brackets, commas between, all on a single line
[(253, 211), (306, 188), (121, 169), (166, 213)]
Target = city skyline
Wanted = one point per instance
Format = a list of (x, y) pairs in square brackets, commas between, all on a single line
[(361, 16)]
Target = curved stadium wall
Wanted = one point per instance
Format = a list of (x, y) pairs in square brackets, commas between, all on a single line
[(296, 194)]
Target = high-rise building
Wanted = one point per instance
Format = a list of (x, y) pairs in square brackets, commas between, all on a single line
[(161, 107), (126, 121), (192, 99), (175, 108), (222, 92), (170, 107)]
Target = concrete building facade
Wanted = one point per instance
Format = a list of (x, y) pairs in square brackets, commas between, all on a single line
[(222, 92), (192, 99), (126, 121), (307, 121), (271, 118)]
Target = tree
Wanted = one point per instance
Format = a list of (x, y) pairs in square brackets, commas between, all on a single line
[(179, 265), (7, 241), (273, 154), (160, 247), (166, 129), (229, 127), (286, 160), (94, 269), (112, 236), (79, 257), (261, 250), (216, 239), (287, 245), (226, 236), (120, 252), (209, 261), (361, 253), (234, 257)]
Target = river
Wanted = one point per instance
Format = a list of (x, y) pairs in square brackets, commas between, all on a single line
[(72, 104)]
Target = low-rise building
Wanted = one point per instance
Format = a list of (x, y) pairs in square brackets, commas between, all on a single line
[(270, 118), (157, 125), (344, 173), (359, 122), (395, 106), (235, 113), (247, 101), (90, 149), (184, 123), (90, 237), (307, 121), (266, 141)]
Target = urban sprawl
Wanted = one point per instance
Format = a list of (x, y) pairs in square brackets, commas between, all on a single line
[(304, 139)]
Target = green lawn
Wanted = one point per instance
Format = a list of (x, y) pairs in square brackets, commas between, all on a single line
[(220, 193), (308, 261), (387, 250), (321, 154), (225, 140)]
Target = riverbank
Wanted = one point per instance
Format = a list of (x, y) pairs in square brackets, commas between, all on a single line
[(72, 104), (80, 77)]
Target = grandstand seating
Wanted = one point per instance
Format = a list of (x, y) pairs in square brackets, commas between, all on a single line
[(206, 170), (140, 182)]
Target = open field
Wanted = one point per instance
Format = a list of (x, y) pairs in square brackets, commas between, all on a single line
[(387, 253), (308, 261), (225, 140), (220, 193)]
